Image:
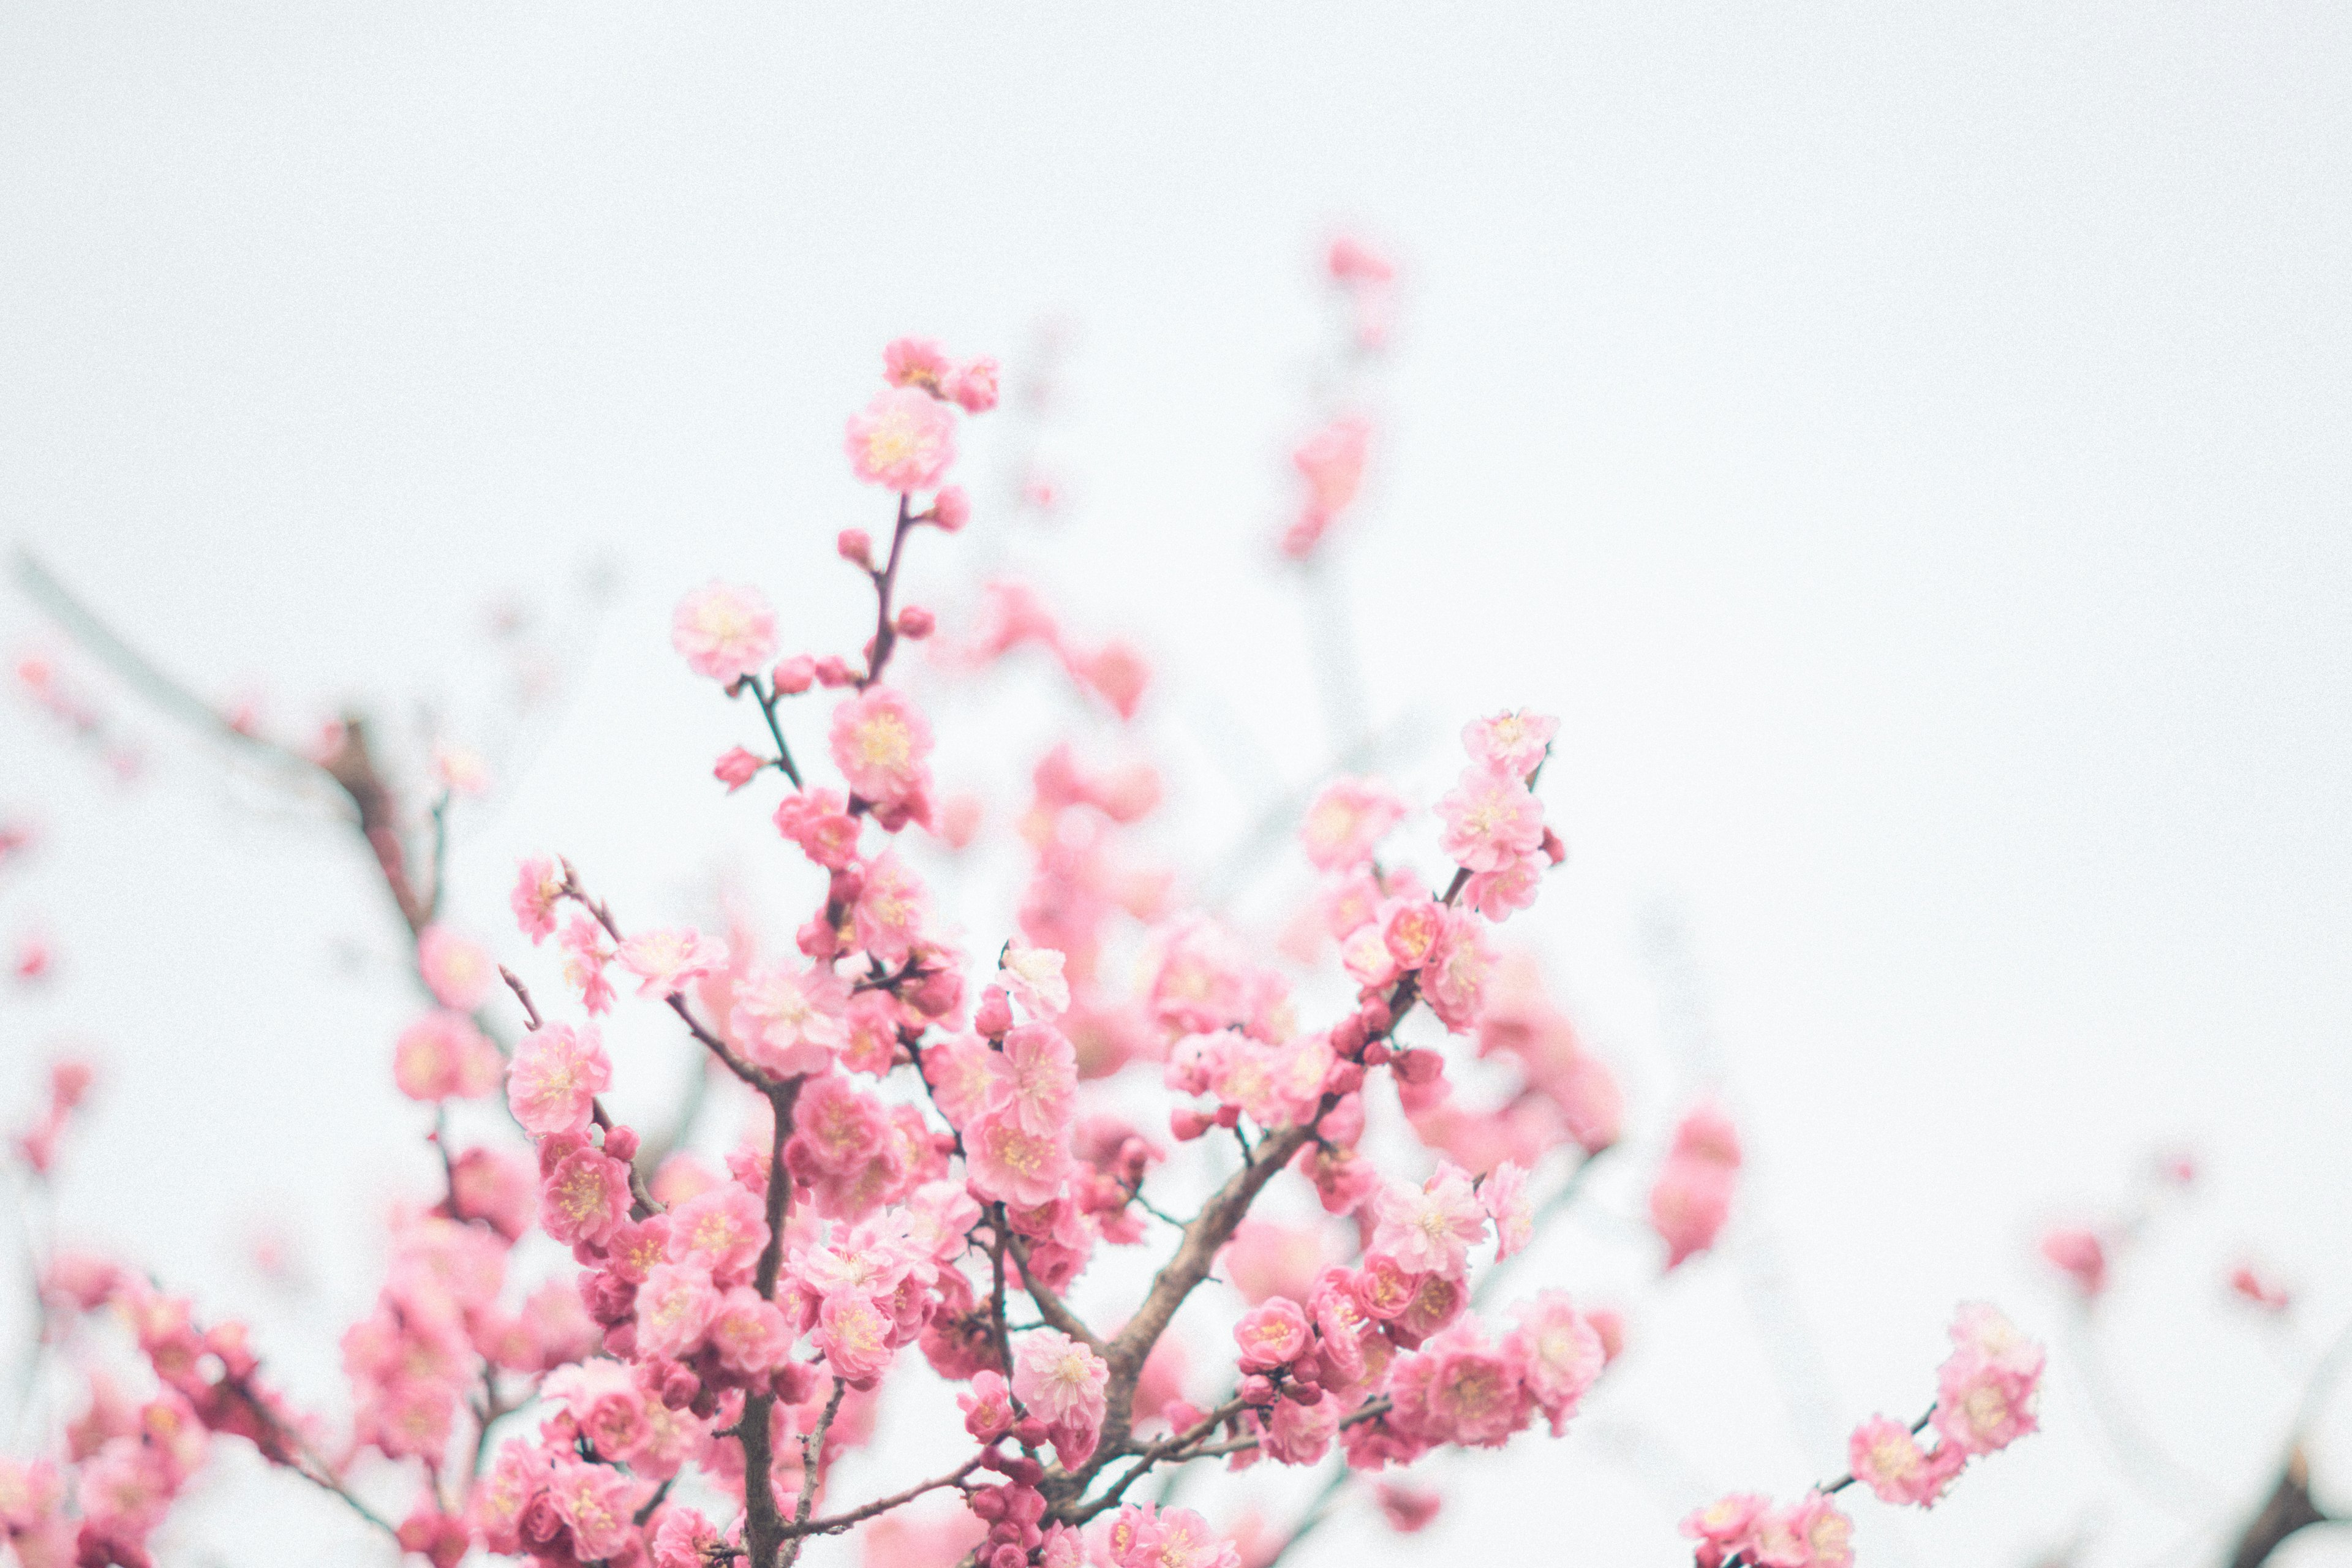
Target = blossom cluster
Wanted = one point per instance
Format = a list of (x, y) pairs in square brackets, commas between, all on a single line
[(594, 1345)]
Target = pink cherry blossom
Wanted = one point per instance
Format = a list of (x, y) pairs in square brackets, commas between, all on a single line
[(1058, 1379), (903, 440), (724, 632), (788, 1019), (1490, 819), (443, 1057), (1512, 743), (881, 742), (1346, 821), (538, 886), (1009, 1163), (1431, 1228), (459, 972), (664, 960), (1033, 975), (554, 1079)]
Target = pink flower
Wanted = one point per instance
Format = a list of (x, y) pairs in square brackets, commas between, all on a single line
[(1008, 1164), (888, 919), (719, 1232), (674, 1306), (855, 1336), (1689, 1206), (1431, 1229), (1408, 1508), (1885, 1457), (724, 632), (751, 1335), (1557, 1353), (585, 1197), (1725, 1525), (538, 886), (2080, 1254), (973, 384), (597, 1501), (1512, 743), (818, 820), (1457, 1389), (585, 954), (879, 741), (987, 1408), (1504, 1195), (1490, 819), (443, 1057), (1332, 463), (737, 767), (457, 972), (554, 1079), (789, 1020), (1058, 1379), (1807, 1533), (1346, 821), (665, 959), (1981, 1407), (903, 440), (1169, 1538), (1033, 976), (1272, 1335), (916, 362), (1039, 1081), (1510, 886), (1453, 980)]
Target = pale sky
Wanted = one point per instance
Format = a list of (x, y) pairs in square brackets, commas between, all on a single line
[(1905, 445)]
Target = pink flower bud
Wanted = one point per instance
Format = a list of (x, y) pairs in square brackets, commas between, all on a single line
[(737, 767), (916, 622), (832, 672), (1420, 1067), (621, 1142), (1256, 1389), (1345, 1078), (1184, 1123), (794, 676), (678, 1388), (951, 509), (986, 1503), (1031, 1432), (1377, 1054), (995, 1014), (855, 547)]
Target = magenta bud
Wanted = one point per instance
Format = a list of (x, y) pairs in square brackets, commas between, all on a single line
[(795, 675), (1031, 1432), (621, 1143), (916, 622), (855, 547)]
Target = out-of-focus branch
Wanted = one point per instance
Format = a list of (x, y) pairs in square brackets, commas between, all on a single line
[(2287, 1510)]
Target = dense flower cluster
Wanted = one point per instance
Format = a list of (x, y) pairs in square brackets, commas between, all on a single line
[(939, 1137)]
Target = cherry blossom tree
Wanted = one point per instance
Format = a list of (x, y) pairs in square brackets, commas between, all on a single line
[(598, 1343)]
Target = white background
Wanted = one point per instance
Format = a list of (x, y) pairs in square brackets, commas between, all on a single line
[(1905, 444)]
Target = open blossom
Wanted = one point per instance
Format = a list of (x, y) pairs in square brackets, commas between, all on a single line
[(1504, 1195), (724, 632), (1513, 743), (585, 1197), (1453, 979), (674, 1306), (903, 440), (554, 1079), (586, 954), (1037, 1081), (538, 888), (719, 1232), (665, 959), (789, 1019), (1557, 1352), (1033, 976), (443, 1057), (1273, 1334), (879, 740), (1986, 1393), (1058, 1379), (1886, 1457), (1459, 1389), (459, 972), (888, 919), (1346, 821), (916, 362), (1010, 1165), (1431, 1229), (1490, 819)]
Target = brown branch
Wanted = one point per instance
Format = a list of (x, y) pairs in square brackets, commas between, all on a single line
[(2287, 1510), (1049, 1306), (836, 1523)]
